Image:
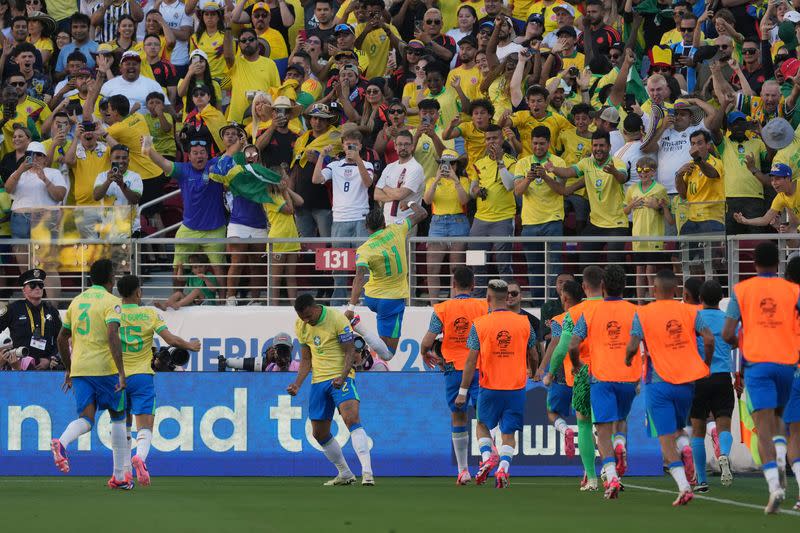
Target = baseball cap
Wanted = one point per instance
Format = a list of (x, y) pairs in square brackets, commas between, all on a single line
[(487, 24), (197, 52), (210, 5), (537, 18), (130, 54), (610, 114), (790, 67), (36, 147), (467, 39), (781, 170), (282, 338), (792, 16), (343, 28), (733, 116), (104, 48), (565, 7), (261, 5)]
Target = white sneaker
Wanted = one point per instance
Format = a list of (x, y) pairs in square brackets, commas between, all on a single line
[(590, 485), (726, 476), (776, 498), (341, 480), (367, 479), (230, 301)]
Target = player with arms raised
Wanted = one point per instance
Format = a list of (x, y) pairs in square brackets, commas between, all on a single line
[(453, 320), (383, 257), (137, 327), (326, 343), (94, 368), (503, 344)]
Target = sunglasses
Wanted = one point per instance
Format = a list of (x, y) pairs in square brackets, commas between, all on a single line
[(32, 2), (260, 15), (433, 22), (373, 91), (396, 111), (414, 52), (485, 32), (513, 293), (644, 169), (749, 51), (199, 93), (35, 284), (687, 30), (662, 69), (198, 143), (247, 40), (17, 83)]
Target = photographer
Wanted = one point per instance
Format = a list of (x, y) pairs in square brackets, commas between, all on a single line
[(279, 355), (136, 330), (32, 322)]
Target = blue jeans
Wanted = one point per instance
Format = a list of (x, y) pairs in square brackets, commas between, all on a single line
[(534, 256), (355, 228), (449, 226), (312, 221), (502, 256)]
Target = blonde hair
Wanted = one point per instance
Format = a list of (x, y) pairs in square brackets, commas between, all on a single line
[(260, 97)]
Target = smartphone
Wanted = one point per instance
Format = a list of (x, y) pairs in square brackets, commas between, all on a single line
[(280, 112), (303, 34), (670, 112), (445, 167), (534, 166), (417, 26), (574, 72), (29, 158), (250, 95), (630, 100), (426, 120), (352, 147), (115, 167)]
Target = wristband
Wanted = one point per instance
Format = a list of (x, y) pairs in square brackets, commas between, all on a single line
[(462, 391), (351, 307)]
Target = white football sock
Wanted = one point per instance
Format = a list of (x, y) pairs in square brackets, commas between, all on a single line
[(773, 478), (127, 467), (461, 449), (143, 439), (506, 453), (561, 425), (361, 446), (119, 445), (679, 475), (610, 469), (333, 452), (485, 445), (780, 451), (682, 442), (75, 429), (796, 470)]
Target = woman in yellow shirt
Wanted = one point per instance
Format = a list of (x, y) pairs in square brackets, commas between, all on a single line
[(209, 37), (447, 195), (126, 35), (280, 214), (40, 28)]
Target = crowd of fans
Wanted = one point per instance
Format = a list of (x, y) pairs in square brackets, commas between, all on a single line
[(537, 118)]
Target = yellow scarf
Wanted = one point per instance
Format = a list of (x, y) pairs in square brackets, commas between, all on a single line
[(332, 136), (214, 119)]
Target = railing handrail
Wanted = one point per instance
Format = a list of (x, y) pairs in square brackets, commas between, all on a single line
[(160, 199)]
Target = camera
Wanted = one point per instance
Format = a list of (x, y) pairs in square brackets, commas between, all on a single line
[(22, 351), (115, 168), (277, 353), (351, 147), (573, 71), (168, 358)]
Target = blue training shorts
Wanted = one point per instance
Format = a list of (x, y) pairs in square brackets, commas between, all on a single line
[(611, 400), (452, 382), (791, 413), (141, 391), (768, 385), (504, 407), (668, 405), (325, 398), (559, 399), (390, 315), (98, 390)]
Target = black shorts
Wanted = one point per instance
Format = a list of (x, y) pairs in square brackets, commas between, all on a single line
[(714, 395), (151, 189)]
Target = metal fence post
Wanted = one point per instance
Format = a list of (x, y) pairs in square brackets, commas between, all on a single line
[(269, 273), (412, 261), (733, 262), (708, 263), (546, 271)]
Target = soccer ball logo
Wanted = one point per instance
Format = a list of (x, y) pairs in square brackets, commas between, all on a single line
[(674, 330), (613, 328), (461, 325), (504, 339), (768, 307)]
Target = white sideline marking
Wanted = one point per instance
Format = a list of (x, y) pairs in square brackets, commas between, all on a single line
[(711, 499)]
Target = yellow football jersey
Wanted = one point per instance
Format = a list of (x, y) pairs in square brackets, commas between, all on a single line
[(384, 253), (325, 339), (137, 326), (87, 318), (605, 194)]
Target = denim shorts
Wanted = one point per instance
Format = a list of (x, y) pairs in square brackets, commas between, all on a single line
[(449, 226)]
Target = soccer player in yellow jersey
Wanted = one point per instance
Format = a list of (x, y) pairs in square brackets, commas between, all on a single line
[(137, 327), (383, 257), (94, 368), (326, 344)]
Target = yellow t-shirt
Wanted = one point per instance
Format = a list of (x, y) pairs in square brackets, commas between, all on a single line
[(605, 194), (30, 113), (87, 318), (130, 131), (706, 196), (281, 226), (445, 199), (525, 122), (376, 45), (470, 81), (136, 329), (499, 203), (44, 44), (550, 19), (449, 105), (425, 152), (351, 18), (384, 253), (500, 97), (60, 151), (646, 220), (680, 211), (573, 146), (261, 73), (5, 213), (576, 60), (740, 182), (276, 42), (540, 203), (474, 141), (783, 201), (88, 164), (212, 46), (325, 339), (410, 92)]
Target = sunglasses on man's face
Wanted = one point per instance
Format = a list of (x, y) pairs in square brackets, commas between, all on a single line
[(35, 284), (749, 51), (433, 22), (644, 169), (687, 30), (17, 83), (260, 15), (247, 40), (396, 111), (513, 293)]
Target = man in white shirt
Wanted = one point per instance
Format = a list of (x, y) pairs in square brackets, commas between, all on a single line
[(631, 151), (565, 15), (401, 181), (125, 187), (174, 13), (131, 83), (351, 178)]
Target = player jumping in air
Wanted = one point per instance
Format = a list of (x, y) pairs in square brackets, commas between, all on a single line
[(767, 305), (605, 328), (503, 344), (669, 329), (383, 257), (453, 320), (137, 327), (326, 344), (94, 368)]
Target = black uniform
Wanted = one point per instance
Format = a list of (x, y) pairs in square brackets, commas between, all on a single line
[(24, 322)]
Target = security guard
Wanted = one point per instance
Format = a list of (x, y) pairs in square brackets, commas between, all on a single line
[(33, 322)]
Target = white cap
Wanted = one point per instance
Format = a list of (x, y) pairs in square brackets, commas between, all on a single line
[(198, 52), (130, 54), (792, 16), (36, 147), (566, 7)]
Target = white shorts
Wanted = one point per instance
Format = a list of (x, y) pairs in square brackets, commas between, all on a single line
[(246, 232)]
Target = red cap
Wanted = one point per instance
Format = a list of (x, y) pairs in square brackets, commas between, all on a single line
[(790, 67)]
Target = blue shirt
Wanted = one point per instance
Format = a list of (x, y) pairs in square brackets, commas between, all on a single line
[(243, 211), (86, 49), (722, 360), (203, 205), (636, 331)]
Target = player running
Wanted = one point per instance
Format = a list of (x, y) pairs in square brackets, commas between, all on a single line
[(714, 394), (383, 258), (559, 388), (137, 327), (94, 368), (592, 284), (453, 320), (503, 344), (605, 328), (766, 305), (669, 329), (326, 345)]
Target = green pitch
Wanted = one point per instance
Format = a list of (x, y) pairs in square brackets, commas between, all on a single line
[(397, 505)]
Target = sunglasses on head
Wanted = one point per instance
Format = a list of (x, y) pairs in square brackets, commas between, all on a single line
[(35, 284)]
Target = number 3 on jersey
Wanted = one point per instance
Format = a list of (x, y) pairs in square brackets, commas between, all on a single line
[(84, 324)]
